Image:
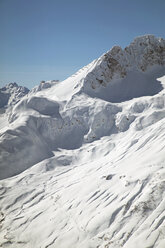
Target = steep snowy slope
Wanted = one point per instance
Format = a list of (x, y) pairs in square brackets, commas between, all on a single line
[(87, 156)]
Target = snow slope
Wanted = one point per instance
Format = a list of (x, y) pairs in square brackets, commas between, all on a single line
[(82, 161)]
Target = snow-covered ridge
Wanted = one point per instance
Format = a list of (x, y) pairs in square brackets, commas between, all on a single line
[(55, 111), (82, 161), (110, 70)]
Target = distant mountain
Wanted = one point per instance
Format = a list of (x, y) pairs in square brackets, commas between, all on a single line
[(11, 94), (82, 161)]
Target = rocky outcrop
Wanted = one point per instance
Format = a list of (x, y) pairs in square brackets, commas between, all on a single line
[(142, 54), (44, 85)]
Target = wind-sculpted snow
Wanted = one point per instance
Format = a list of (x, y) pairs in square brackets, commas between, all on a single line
[(40, 105), (108, 193), (40, 128), (82, 162)]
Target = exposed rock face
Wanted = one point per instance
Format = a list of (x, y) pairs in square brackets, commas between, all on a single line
[(147, 51), (142, 54), (52, 118), (87, 155), (44, 85)]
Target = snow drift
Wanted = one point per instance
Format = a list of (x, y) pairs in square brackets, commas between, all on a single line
[(87, 155)]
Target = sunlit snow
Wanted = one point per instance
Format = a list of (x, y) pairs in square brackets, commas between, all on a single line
[(82, 162)]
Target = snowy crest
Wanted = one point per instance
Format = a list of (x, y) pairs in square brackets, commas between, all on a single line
[(82, 161), (118, 71)]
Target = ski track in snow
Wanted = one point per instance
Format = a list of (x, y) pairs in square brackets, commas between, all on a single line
[(80, 171)]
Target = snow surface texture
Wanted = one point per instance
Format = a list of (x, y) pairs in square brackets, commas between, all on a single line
[(82, 162)]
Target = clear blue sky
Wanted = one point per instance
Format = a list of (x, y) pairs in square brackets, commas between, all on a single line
[(52, 39)]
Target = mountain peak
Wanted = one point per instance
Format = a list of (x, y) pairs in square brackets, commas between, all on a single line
[(144, 56), (82, 161), (147, 39), (11, 94)]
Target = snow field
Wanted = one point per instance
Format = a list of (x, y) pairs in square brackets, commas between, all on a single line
[(82, 161)]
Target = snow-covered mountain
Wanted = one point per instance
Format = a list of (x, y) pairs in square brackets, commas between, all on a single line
[(11, 94), (82, 162)]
